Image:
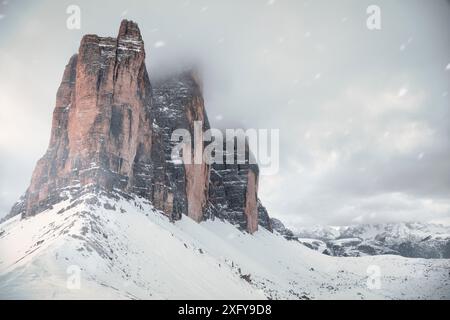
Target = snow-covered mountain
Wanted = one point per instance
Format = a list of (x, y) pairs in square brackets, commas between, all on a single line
[(96, 246), (109, 214), (415, 240)]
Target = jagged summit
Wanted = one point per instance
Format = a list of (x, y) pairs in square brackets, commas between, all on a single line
[(129, 30), (112, 131)]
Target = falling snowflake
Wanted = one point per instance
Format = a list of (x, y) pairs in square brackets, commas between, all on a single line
[(203, 9), (219, 117), (159, 44), (270, 2), (404, 45), (317, 76), (402, 92), (420, 156), (1, 16), (447, 67)]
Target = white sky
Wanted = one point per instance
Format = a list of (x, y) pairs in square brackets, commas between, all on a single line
[(363, 115)]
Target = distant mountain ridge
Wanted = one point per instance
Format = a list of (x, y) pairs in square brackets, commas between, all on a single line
[(408, 239)]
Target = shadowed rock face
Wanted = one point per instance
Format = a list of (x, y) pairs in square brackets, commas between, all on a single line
[(112, 131), (233, 193), (177, 104)]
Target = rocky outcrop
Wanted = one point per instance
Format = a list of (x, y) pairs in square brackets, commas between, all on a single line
[(112, 132), (278, 226)]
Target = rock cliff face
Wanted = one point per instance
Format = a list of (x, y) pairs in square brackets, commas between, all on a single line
[(234, 191), (112, 132), (101, 123), (178, 103)]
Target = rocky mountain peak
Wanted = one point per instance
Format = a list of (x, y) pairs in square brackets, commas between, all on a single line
[(129, 30), (112, 132)]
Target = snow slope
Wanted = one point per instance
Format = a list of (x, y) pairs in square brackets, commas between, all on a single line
[(123, 249)]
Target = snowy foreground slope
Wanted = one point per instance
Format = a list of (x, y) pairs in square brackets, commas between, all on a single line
[(124, 249)]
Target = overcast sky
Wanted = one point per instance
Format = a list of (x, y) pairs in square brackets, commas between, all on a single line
[(363, 115)]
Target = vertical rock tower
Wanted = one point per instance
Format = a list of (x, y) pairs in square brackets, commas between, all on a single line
[(111, 132)]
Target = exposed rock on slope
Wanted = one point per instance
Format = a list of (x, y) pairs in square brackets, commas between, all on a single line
[(281, 229), (112, 131)]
